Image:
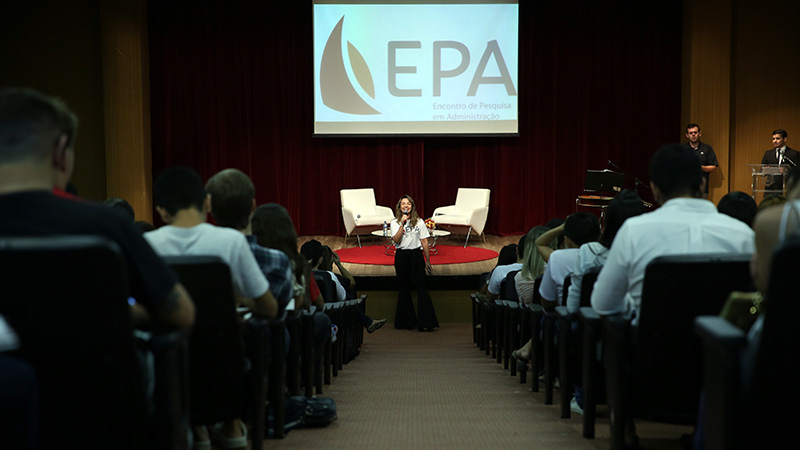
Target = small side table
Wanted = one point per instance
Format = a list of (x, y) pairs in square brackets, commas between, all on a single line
[(389, 250), (436, 235)]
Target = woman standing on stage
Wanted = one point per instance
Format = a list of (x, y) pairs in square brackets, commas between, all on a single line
[(412, 260)]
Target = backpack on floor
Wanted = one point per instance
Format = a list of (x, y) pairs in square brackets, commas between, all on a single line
[(311, 412)]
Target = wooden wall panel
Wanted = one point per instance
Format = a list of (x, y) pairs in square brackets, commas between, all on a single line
[(707, 82), (127, 104), (58, 54), (766, 90)]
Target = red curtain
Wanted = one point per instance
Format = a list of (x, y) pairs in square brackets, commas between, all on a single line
[(231, 86)]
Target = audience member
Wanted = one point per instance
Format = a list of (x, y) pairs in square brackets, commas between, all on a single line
[(501, 271), (739, 205), (592, 256), (232, 202), (37, 135), (273, 228), (36, 138), (579, 228), (684, 224), (320, 257), (771, 200), (506, 256), (122, 206), (145, 226), (533, 266), (183, 204), (329, 259)]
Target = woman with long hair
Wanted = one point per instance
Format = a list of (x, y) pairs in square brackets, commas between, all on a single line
[(273, 228), (533, 265), (593, 255), (412, 261)]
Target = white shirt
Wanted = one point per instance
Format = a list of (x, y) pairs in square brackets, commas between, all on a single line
[(680, 226), (524, 288), (413, 236), (499, 274), (559, 266), (591, 255), (206, 239), (341, 294)]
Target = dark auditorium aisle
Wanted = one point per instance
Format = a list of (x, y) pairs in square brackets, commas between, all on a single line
[(437, 390)]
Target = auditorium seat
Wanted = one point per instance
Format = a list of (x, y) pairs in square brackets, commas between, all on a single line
[(739, 412), (470, 212), (223, 384), (66, 298), (570, 334), (653, 372)]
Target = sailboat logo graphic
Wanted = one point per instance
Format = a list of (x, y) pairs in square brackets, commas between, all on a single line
[(336, 88)]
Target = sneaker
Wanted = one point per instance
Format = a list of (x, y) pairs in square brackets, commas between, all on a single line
[(575, 407), (334, 331), (230, 442), (375, 325), (556, 383)]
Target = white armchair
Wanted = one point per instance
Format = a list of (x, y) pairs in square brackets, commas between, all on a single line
[(470, 211), (361, 214)]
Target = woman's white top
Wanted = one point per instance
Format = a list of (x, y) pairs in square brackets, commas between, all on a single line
[(412, 236)]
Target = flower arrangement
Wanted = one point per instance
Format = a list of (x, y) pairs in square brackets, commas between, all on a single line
[(430, 224)]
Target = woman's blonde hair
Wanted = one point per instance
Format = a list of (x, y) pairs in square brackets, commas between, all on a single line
[(533, 264)]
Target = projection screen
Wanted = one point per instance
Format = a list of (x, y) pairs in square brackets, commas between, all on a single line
[(415, 67)]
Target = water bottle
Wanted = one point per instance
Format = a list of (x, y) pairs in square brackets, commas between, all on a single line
[(385, 228)]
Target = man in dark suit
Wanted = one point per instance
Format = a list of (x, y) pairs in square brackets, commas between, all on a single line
[(782, 155)]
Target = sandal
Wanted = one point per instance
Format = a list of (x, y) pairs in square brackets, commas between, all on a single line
[(518, 357), (232, 442), (375, 325)]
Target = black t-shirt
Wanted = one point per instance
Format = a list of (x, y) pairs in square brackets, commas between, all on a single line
[(705, 153), (40, 213)]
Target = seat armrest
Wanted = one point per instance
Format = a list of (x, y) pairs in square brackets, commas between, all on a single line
[(349, 217), (442, 210), (171, 395), (477, 220), (385, 211), (588, 316), (562, 313), (719, 332), (722, 384)]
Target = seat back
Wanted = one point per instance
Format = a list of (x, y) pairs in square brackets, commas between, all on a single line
[(587, 285), (360, 201), (326, 286), (777, 360), (468, 199), (667, 354), (216, 353), (67, 300), (508, 290)]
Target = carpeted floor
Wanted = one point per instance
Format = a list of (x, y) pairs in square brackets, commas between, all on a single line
[(438, 391)]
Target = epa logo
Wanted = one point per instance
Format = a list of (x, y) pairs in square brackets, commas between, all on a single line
[(338, 92)]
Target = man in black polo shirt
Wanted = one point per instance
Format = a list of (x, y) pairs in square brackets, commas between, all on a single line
[(36, 137), (703, 151)]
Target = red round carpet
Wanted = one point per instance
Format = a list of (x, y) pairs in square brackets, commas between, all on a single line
[(448, 254)]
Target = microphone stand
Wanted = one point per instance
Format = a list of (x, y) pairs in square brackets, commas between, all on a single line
[(636, 180)]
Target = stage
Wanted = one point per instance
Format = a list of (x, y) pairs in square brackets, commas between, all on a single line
[(462, 276)]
